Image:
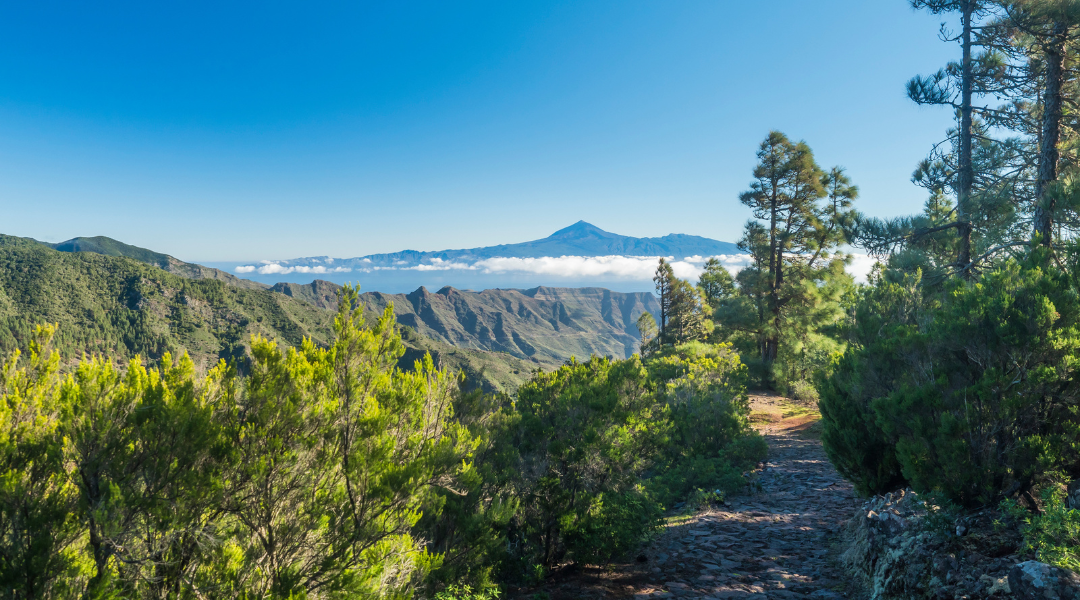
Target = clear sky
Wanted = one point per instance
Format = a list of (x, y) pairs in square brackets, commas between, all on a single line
[(218, 131)]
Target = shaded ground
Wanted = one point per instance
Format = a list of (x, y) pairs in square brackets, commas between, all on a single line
[(774, 542)]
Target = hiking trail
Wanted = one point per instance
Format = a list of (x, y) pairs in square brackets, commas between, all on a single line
[(778, 541)]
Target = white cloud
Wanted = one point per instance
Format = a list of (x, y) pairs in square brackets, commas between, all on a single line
[(860, 266), (271, 268), (620, 267), (616, 267), (438, 264), (628, 267)]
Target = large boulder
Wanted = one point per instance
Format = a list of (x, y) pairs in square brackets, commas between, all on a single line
[(1033, 580)]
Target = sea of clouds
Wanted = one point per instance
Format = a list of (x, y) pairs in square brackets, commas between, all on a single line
[(630, 268), (273, 268)]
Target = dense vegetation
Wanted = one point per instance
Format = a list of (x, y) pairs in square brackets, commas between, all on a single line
[(957, 366), (327, 471), (322, 468)]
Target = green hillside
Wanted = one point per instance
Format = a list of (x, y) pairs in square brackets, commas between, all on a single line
[(120, 307), (110, 247)]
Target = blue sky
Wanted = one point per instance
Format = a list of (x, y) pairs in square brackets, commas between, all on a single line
[(263, 130)]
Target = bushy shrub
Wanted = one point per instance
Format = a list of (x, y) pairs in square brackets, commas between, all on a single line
[(712, 442), (852, 439), (1054, 534), (307, 476), (587, 432), (466, 592), (973, 393), (471, 530), (330, 471), (805, 392)]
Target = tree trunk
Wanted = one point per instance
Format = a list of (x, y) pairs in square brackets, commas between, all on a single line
[(768, 351), (966, 171), (1049, 154)]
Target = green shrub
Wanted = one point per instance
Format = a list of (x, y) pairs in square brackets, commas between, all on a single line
[(853, 441), (885, 317), (1053, 535), (329, 468), (804, 391), (587, 433), (712, 442), (465, 592), (973, 393), (470, 532), (990, 406)]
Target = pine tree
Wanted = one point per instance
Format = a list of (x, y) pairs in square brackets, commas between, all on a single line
[(935, 90), (716, 283), (646, 326), (686, 320), (788, 184), (664, 278), (1045, 29)]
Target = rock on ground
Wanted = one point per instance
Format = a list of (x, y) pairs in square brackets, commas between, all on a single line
[(1033, 580)]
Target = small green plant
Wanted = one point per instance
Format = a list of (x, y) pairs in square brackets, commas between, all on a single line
[(805, 392), (941, 514), (466, 592), (703, 498), (1054, 535)]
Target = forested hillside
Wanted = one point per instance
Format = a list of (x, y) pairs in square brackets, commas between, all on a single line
[(110, 247), (120, 307)]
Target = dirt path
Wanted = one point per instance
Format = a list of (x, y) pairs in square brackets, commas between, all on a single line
[(776, 542)]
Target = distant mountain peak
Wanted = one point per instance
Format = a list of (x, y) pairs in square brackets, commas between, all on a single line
[(580, 229)]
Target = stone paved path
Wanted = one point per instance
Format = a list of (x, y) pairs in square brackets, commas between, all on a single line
[(774, 543)]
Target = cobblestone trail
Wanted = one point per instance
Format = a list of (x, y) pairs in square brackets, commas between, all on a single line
[(774, 543)]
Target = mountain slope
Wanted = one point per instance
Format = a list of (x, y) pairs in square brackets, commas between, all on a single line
[(120, 307), (544, 325)]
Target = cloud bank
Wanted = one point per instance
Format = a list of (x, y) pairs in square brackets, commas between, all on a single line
[(272, 268), (631, 268)]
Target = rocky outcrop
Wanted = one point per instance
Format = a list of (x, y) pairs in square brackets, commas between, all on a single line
[(904, 546), (1032, 580), (1073, 499)]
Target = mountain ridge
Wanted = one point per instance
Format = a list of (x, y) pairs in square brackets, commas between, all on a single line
[(545, 325), (580, 239), (119, 300), (107, 246)]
